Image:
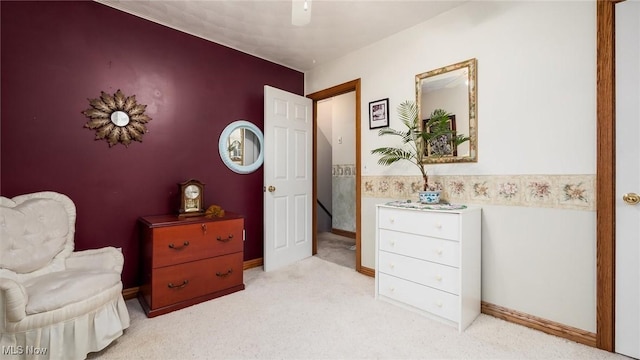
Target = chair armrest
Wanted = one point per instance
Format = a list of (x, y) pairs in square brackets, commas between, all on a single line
[(13, 301), (108, 258)]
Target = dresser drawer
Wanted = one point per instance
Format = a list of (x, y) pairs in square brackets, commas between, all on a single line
[(226, 272), (180, 244), (173, 284), (434, 301), (437, 276), (440, 225), (445, 252), (225, 237)]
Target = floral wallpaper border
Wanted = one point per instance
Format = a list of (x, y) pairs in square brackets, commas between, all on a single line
[(554, 191)]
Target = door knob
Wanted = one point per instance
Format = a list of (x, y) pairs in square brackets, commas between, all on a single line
[(631, 198), (271, 188)]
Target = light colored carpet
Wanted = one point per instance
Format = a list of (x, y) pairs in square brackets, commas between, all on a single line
[(337, 249), (315, 309)]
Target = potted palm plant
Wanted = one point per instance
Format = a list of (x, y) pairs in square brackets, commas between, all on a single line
[(415, 140)]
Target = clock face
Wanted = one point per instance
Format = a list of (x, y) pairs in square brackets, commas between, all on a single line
[(192, 192)]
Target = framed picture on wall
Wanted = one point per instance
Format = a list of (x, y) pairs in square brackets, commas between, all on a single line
[(379, 114), (443, 145)]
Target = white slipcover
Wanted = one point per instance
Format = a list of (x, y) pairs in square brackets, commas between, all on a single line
[(54, 303)]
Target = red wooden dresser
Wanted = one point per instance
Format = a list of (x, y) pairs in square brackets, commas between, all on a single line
[(189, 260)]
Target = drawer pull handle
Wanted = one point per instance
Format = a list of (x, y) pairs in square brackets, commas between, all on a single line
[(224, 274), (392, 266), (184, 283), (184, 245), (225, 240), (392, 220), (204, 228), (439, 251), (438, 226), (439, 277), (439, 304)]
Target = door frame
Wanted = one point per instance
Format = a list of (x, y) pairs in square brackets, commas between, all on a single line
[(344, 88), (605, 174)]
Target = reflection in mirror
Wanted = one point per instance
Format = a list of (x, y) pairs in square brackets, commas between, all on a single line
[(243, 146), (236, 146), (240, 147), (120, 118), (453, 89)]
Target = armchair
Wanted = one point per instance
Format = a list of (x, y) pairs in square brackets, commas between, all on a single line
[(55, 303)]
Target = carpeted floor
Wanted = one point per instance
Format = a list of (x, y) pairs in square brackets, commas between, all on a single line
[(337, 249), (315, 309)]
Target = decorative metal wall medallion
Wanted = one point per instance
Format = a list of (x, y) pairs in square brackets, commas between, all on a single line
[(117, 118)]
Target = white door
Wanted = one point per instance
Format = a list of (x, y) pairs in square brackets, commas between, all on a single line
[(288, 178), (627, 294)]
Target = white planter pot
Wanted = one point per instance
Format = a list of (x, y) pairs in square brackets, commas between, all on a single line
[(429, 197)]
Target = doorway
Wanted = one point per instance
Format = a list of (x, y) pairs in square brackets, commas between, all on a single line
[(335, 177), (351, 86)]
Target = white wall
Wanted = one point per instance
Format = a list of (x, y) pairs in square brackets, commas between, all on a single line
[(324, 158), (536, 115), (336, 157), (344, 128), (344, 159)]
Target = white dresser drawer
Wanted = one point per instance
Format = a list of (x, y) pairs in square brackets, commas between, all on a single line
[(440, 225), (445, 252), (437, 276), (422, 297)]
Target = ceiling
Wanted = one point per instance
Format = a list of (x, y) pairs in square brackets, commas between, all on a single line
[(263, 27)]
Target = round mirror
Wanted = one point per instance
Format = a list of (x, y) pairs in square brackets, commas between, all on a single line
[(241, 147), (120, 118)]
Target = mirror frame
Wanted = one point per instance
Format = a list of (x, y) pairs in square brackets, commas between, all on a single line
[(471, 66), (223, 148), (107, 111)]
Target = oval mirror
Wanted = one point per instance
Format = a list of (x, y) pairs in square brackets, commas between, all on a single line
[(453, 89), (120, 118), (241, 147)]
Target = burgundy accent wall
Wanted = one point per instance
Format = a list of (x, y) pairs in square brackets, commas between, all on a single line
[(56, 55)]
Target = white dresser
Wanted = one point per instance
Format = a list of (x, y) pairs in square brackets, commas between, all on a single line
[(430, 261)]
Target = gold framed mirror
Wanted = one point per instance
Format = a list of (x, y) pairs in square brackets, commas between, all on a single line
[(451, 88)]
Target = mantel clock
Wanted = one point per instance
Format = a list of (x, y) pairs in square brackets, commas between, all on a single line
[(191, 198)]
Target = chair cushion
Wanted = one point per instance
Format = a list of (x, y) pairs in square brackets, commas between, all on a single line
[(58, 289), (31, 234)]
